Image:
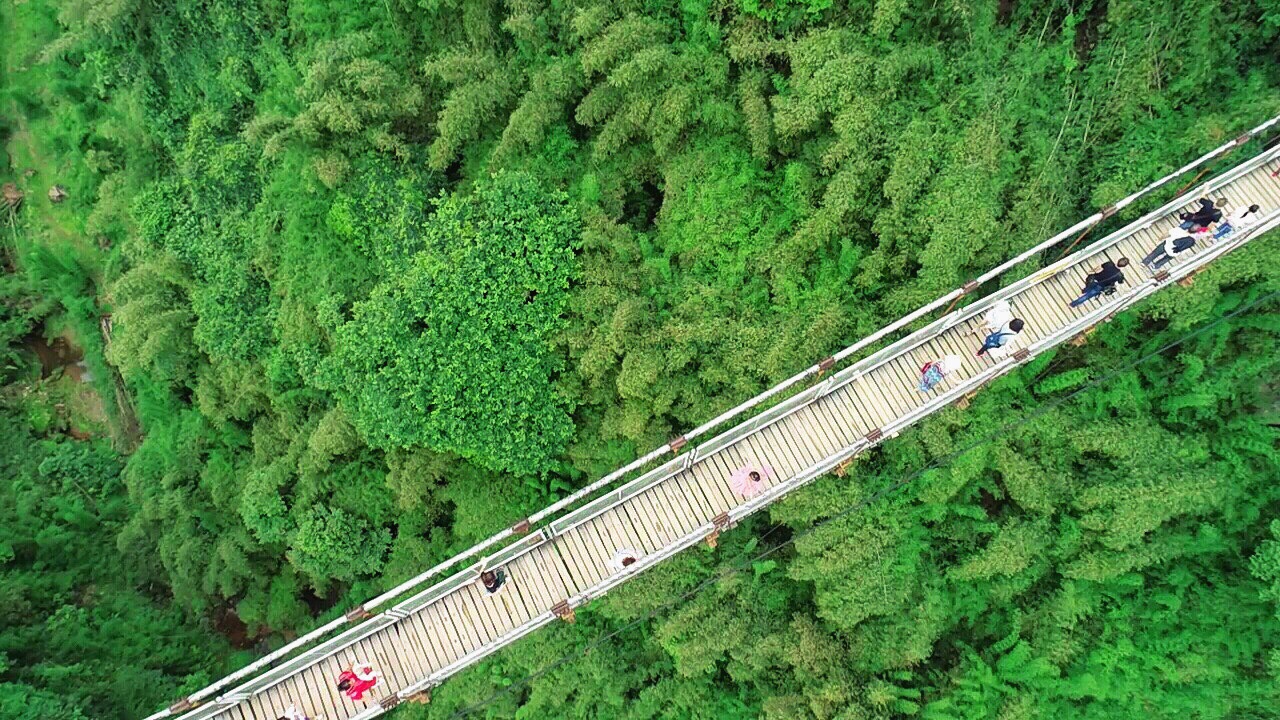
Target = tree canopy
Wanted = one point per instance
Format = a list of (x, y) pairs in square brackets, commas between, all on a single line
[(352, 286)]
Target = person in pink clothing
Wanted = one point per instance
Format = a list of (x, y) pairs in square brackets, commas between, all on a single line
[(357, 680)]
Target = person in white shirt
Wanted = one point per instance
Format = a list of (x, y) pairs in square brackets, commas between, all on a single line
[(623, 559), (1178, 241), (1241, 218), (999, 315), (293, 713)]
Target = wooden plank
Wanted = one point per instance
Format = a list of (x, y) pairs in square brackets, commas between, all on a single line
[(822, 428), (861, 420), (615, 534), (795, 434), (723, 466), (517, 605), (668, 511), (325, 674), (676, 515), (868, 391), (623, 528), (780, 452), (752, 451), (601, 544), (809, 426), (644, 514), (420, 634), (610, 541), (591, 552), (496, 609), (871, 389), (906, 375), (713, 500), (756, 451), (1047, 309), (325, 698), (400, 654), (901, 390), (792, 445), (1262, 189), (441, 617), (681, 518), (556, 574), (464, 620), (649, 542), (575, 560), (528, 576), (434, 640), (412, 654), (714, 485), (268, 701), (842, 420), (856, 393), (383, 661), (482, 610), (864, 421), (691, 489), (824, 424), (559, 580)]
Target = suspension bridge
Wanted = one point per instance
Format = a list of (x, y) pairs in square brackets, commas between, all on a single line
[(421, 632)]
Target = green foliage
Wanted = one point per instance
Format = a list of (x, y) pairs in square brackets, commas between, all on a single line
[(386, 277), (454, 352)]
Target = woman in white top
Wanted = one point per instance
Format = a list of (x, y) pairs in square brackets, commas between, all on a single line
[(1241, 218)]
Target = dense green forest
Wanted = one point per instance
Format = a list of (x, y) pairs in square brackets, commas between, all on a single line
[(384, 277)]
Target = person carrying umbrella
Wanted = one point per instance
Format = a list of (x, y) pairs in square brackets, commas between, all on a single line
[(748, 481), (358, 679)]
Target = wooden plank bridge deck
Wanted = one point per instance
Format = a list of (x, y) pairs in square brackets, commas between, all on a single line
[(553, 568)]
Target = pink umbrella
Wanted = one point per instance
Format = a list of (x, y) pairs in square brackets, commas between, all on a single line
[(743, 484)]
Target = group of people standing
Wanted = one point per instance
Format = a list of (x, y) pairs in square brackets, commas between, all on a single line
[(1209, 219)]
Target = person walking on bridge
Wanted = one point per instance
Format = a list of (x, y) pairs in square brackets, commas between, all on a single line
[(1001, 336), (358, 679), (1207, 214), (935, 371), (1242, 218), (293, 713), (1102, 282), (1177, 242), (493, 580)]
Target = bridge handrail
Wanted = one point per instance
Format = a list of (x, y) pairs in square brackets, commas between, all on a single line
[(360, 614)]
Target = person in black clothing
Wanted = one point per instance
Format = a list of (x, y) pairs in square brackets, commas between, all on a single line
[(1207, 214), (1103, 281), (493, 580)]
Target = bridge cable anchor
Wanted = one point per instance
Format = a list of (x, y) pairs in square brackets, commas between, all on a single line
[(564, 612)]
